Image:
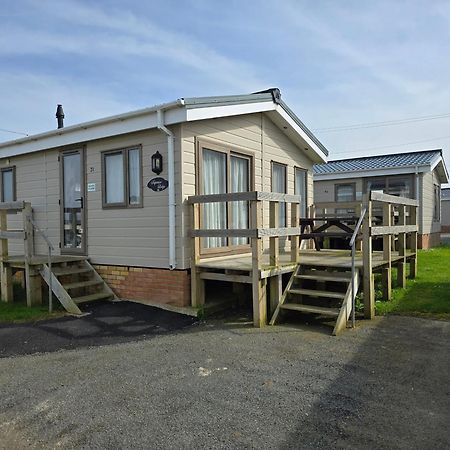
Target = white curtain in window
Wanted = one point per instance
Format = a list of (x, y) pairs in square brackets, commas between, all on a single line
[(300, 189), (134, 176), (8, 188), (279, 185), (214, 181), (114, 182), (239, 210)]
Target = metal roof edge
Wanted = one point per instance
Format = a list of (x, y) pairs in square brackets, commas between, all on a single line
[(307, 131)]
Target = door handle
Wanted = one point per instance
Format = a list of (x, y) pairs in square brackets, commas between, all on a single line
[(81, 202)]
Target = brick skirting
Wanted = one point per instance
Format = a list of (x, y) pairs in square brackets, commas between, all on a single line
[(428, 240), (154, 285), (445, 229)]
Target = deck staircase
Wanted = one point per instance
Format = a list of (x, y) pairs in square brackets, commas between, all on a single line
[(322, 291), (75, 282)]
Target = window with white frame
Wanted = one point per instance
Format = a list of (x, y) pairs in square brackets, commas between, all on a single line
[(122, 178), (301, 188), (8, 184), (345, 192), (279, 185)]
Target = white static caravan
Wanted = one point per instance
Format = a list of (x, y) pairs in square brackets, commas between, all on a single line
[(115, 190)]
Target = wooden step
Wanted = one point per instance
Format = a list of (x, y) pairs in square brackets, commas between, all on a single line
[(92, 297), (80, 284), (323, 276), (61, 271), (317, 293), (334, 312)]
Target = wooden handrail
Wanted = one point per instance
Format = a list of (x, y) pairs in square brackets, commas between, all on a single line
[(251, 196), (393, 199)]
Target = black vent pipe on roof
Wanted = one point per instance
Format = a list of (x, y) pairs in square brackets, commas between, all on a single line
[(60, 116)]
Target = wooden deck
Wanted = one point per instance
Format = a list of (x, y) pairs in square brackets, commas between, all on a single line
[(324, 258), (18, 261)]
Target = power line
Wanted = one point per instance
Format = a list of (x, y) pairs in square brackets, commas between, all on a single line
[(386, 123), (392, 146), (14, 132)]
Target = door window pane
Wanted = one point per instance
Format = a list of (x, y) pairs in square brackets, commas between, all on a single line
[(214, 181), (7, 185), (301, 189), (239, 174), (134, 174), (72, 198), (114, 178), (279, 185)]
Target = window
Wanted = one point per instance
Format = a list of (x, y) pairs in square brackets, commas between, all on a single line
[(223, 170), (394, 185), (122, 178), (437, 203), (8, 182), (345, 192), (301, 188), (279, 185)]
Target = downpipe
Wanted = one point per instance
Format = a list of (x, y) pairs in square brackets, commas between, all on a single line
[(171, 189)]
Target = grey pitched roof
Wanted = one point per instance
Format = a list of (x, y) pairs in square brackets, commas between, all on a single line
[(445, 194), (378, 162)]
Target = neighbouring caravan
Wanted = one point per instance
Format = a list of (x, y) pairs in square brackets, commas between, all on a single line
[(417, 175)]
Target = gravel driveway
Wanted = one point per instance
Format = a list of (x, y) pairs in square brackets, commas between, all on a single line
[(217, 385)]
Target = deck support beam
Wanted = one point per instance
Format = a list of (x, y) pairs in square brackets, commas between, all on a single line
[(5, 270), (387, 255), (259, 286), (413, 244), (401, 266), (197, 284), (369, 298)]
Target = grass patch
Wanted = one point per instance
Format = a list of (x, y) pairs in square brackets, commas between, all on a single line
[(19, 312), (426, 296)]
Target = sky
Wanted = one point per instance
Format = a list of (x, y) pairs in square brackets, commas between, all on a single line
[(346, 65)]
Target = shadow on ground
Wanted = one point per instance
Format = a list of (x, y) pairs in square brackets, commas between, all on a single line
[(106, 323)]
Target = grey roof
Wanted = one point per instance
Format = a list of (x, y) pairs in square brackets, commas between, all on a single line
[(378, 162), (445, 194), (272, 94)]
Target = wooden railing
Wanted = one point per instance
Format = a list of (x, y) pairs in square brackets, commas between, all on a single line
[(25, 234), (406, 214), (255, 232), (406, 210)]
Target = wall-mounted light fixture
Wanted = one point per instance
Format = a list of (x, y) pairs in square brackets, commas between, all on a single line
[(157, 163)]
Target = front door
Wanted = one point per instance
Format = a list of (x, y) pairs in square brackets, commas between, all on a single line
[(73, 202)]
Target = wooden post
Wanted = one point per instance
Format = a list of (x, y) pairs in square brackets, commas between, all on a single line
[(369, 298), (32, 280), (387, 255), (413, 240), (197, 284), (258, 284), (295, 246), (274, 242), (401, 267), (5, 270)]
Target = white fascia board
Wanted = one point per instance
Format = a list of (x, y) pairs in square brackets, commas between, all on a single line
[(214, 112), (90, 131), (371, 173), (279, 109), (440, 161)]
